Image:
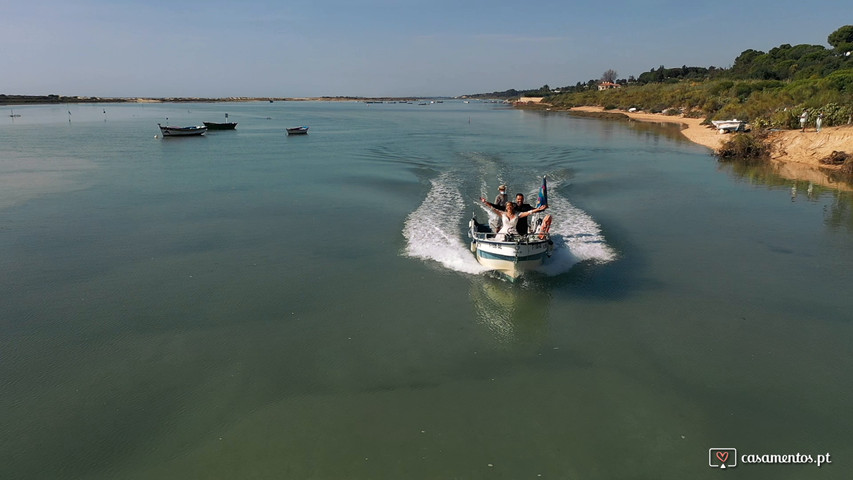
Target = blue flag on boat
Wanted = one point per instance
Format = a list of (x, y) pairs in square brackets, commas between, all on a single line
[(543, 194)]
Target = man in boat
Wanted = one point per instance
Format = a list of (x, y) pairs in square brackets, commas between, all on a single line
[(500, 200), (521, 207)]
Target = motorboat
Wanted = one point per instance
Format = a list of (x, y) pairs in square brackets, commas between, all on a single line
[(297, 131), (733, 125), (172, 131), (511, 254)]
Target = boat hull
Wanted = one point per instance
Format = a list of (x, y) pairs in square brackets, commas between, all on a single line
[(729, 125), (512, 258), (297, 131), (169, 131), (220, 126), (511, 255)]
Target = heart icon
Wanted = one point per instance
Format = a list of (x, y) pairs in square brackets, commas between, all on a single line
[(723, 456)]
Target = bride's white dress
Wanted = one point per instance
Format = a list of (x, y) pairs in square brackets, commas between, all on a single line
[(509, 224)]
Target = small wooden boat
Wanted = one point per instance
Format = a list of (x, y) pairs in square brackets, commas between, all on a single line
[(171, 131), (297, 131), (221, 126)]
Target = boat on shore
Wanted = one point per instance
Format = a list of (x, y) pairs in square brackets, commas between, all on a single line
[(733, 125), (511, 254), (172, 131), (297, 131)]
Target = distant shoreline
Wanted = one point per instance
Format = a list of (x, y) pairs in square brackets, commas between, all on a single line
[(58, 99), (796, 154)]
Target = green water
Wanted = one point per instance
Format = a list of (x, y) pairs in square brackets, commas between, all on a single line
[(253, 305)]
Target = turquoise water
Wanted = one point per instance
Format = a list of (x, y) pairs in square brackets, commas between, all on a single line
[(252, 305)]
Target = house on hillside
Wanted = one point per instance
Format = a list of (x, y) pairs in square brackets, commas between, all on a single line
[(608, 85)]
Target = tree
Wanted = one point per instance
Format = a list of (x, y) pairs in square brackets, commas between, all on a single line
[(609, 76), (744, 62), (842, 39)]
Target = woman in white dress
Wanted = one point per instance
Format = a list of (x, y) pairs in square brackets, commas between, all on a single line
[(509, 217)]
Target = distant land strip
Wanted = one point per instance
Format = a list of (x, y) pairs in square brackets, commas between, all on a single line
[(49, 99)]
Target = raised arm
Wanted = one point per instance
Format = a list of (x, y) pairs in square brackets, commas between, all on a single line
[(535, 210), (490, 205)]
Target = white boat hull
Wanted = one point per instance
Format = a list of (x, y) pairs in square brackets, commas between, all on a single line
[(168, 131), (511, 255), (729, 125)]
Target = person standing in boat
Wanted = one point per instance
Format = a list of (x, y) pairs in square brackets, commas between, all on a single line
[(510, 217), (500, 200), (499, 203)]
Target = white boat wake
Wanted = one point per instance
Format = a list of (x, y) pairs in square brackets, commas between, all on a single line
[(577, 238), (434, 231)]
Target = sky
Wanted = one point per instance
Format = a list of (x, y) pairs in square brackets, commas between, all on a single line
[(371, 48)]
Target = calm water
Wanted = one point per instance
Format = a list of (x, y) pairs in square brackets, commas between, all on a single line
[(252, 305)]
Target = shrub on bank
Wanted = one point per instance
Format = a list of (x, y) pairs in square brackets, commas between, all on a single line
[(847, 168), (745, 145), (840, 158)]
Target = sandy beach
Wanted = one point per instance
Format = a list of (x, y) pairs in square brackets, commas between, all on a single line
[(795, 154), (692, 128)]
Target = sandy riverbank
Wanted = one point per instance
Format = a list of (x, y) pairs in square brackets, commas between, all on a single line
[(795, 154)]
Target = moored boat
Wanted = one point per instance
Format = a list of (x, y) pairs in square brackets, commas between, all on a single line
[(221, 125), (297, 131), (172, 131)]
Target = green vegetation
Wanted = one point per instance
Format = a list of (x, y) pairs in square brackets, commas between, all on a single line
[(512, 93), (767, 89), (744, 145)]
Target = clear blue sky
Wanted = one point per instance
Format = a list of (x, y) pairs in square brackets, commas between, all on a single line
[(214, 48)]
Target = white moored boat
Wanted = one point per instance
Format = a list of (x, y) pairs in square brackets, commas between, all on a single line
[(170, 131), (510, 254)]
